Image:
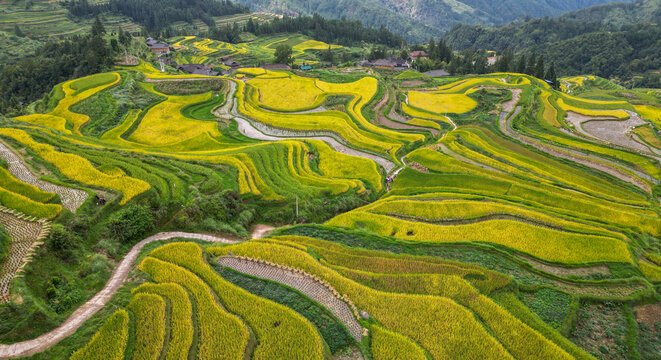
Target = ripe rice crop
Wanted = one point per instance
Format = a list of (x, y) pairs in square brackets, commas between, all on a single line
[(655, 258), (548, 244), (287, 94), (441, 103), (423, 114), (10, 183), (652, 272), (334, 164), (282, 333), (218, 329), (28, 206), (648, 135), (388, 345), (527, 344), (164, 123), (82, 89), (424, 123), (651, 113), (550, 113), (449, 210), (109, 342), (618, 114), (430, 321), (314, 45), (181, 326), (384, 262), (79, 169), (149, 315)]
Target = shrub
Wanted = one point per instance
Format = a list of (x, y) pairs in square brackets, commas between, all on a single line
[(130, 223), (62, 242)]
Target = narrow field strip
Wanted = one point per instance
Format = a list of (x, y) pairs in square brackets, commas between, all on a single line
[(26, 233), (71, 198), (304, 284)]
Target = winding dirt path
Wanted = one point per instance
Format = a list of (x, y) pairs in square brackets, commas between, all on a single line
[(83, 313)]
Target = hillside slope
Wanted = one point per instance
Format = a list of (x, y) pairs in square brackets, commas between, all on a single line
[(419, 19), (609, 40)]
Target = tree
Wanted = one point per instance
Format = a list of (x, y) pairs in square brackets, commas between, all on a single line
[(551, 76), (532, 63), (283, 54), (521, 66), (130, 223), (18, 31), (97, 27), (328, 56), (539, 69), (62, 242)]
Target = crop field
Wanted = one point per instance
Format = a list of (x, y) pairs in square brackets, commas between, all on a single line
[(197, 50), (494, 236)]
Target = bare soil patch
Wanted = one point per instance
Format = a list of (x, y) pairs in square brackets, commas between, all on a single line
[(648, 314)]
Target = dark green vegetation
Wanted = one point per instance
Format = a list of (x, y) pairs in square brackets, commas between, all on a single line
[(332, 330), (615, 40), (550, 305), (107, 109), (4, 243), (156, 15), (418, 20), (29, 78), (189, 87)]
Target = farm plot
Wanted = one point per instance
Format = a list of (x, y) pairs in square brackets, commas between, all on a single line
[(71, 198), (25, 234), (430, 309)]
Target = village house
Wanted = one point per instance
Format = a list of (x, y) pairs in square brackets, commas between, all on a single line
[(197, 69), (415, 55), (435, 73), (158, 47), (392, 63), (276, 67)]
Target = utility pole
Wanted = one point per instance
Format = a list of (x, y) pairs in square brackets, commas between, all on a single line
[(297, 206)]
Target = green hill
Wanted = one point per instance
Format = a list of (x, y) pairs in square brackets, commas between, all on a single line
[(417, 20)]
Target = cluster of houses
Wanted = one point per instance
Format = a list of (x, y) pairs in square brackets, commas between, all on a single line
[(394, 63)]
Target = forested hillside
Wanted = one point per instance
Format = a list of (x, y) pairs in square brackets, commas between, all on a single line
[(417, 20), (587, 41)]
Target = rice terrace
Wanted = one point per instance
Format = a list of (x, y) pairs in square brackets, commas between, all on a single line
[(233, 190)]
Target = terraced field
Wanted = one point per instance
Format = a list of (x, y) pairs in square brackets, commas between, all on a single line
[(196, 50), (480, 219)]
